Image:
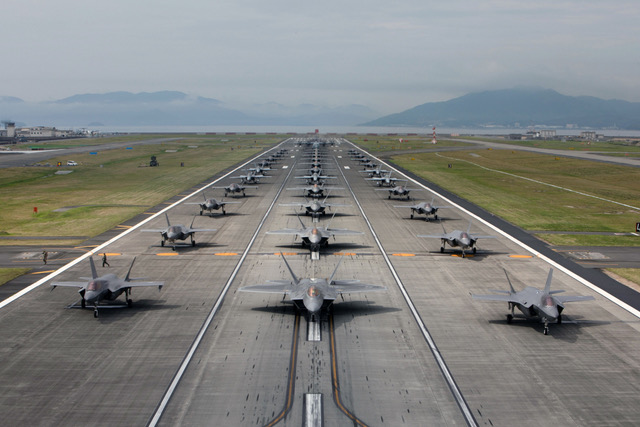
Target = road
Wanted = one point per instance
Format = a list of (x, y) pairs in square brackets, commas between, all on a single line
[(422, 353)]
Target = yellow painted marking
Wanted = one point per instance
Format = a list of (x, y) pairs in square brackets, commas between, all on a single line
[(465, 255), (345, 253), (123, 227), (226, 254), (403, 254), (89, 246), (168, 254), (520, 256), (112, 254), (286, 253), (43, 272)]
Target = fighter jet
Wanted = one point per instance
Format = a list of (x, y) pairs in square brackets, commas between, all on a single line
[(315, 237), (177, 232), (315, 178), (315, 190), (234, 188), (211, 205), (315, 208), (105, 288), (375, 172), (385, 180), (458, 238), (399, 190), (250, 178), (423, 208), (312, 294), (258, 170), (535, 303)]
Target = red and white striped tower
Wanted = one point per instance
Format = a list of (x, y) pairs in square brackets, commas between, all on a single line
[(434, 141)]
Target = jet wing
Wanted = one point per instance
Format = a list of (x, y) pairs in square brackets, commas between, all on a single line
[(352, 286), (434, 236), (70, 284), (155, 230), (271, 287), (197, 230), (287, 231), (473, 236), (342, 232), (505, 298), (573, 298)]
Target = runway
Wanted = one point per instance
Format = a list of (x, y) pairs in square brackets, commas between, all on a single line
[(422, 353)]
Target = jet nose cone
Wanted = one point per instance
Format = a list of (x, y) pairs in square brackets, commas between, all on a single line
[(550, 312), (90, 296), (465, 241), (313, 300)]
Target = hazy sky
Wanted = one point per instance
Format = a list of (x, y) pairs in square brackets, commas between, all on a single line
[(387, 55)]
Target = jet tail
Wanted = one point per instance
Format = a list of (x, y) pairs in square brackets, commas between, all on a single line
[(167, 217), (335, 270), (547, 286), (329, 223), (126, 279), (295, 279), (94, 273), (513, 291)]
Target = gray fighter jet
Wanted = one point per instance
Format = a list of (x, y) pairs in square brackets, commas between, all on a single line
[(315, 208), (258, 170), (105, 288), (250, 178), (315, 237), (399, 191), (177, 232), (315, 190), (375, 172), (462, 239), (385, 180), (211, 205), (312, 294), (424, 208), (534, 302), (315, 178), (234, 188)]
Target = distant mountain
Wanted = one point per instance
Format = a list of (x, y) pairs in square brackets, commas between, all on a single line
[(171, 108), (523, 106)]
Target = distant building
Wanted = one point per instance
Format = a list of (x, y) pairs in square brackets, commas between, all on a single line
[(42, 132), (548, 134), (589, 135)]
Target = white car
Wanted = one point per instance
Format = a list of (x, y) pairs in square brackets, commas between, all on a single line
[(72, 163)]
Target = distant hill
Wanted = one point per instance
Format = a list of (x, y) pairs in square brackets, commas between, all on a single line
[(519, 106), (171, 108)]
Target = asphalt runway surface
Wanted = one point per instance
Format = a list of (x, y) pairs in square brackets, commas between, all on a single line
[(422, 353)]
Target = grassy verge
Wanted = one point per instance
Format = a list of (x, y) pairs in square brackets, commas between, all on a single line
[(533, 205), (7, 274), (114, 185), (377, 144), (607, 146)]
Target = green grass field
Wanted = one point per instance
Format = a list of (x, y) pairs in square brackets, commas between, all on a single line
[(605, 146), (7, 274), (476, 176), (113, 185), (381, 143)]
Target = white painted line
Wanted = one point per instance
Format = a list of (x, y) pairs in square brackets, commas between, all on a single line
[(312, 410), (313, 331)]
